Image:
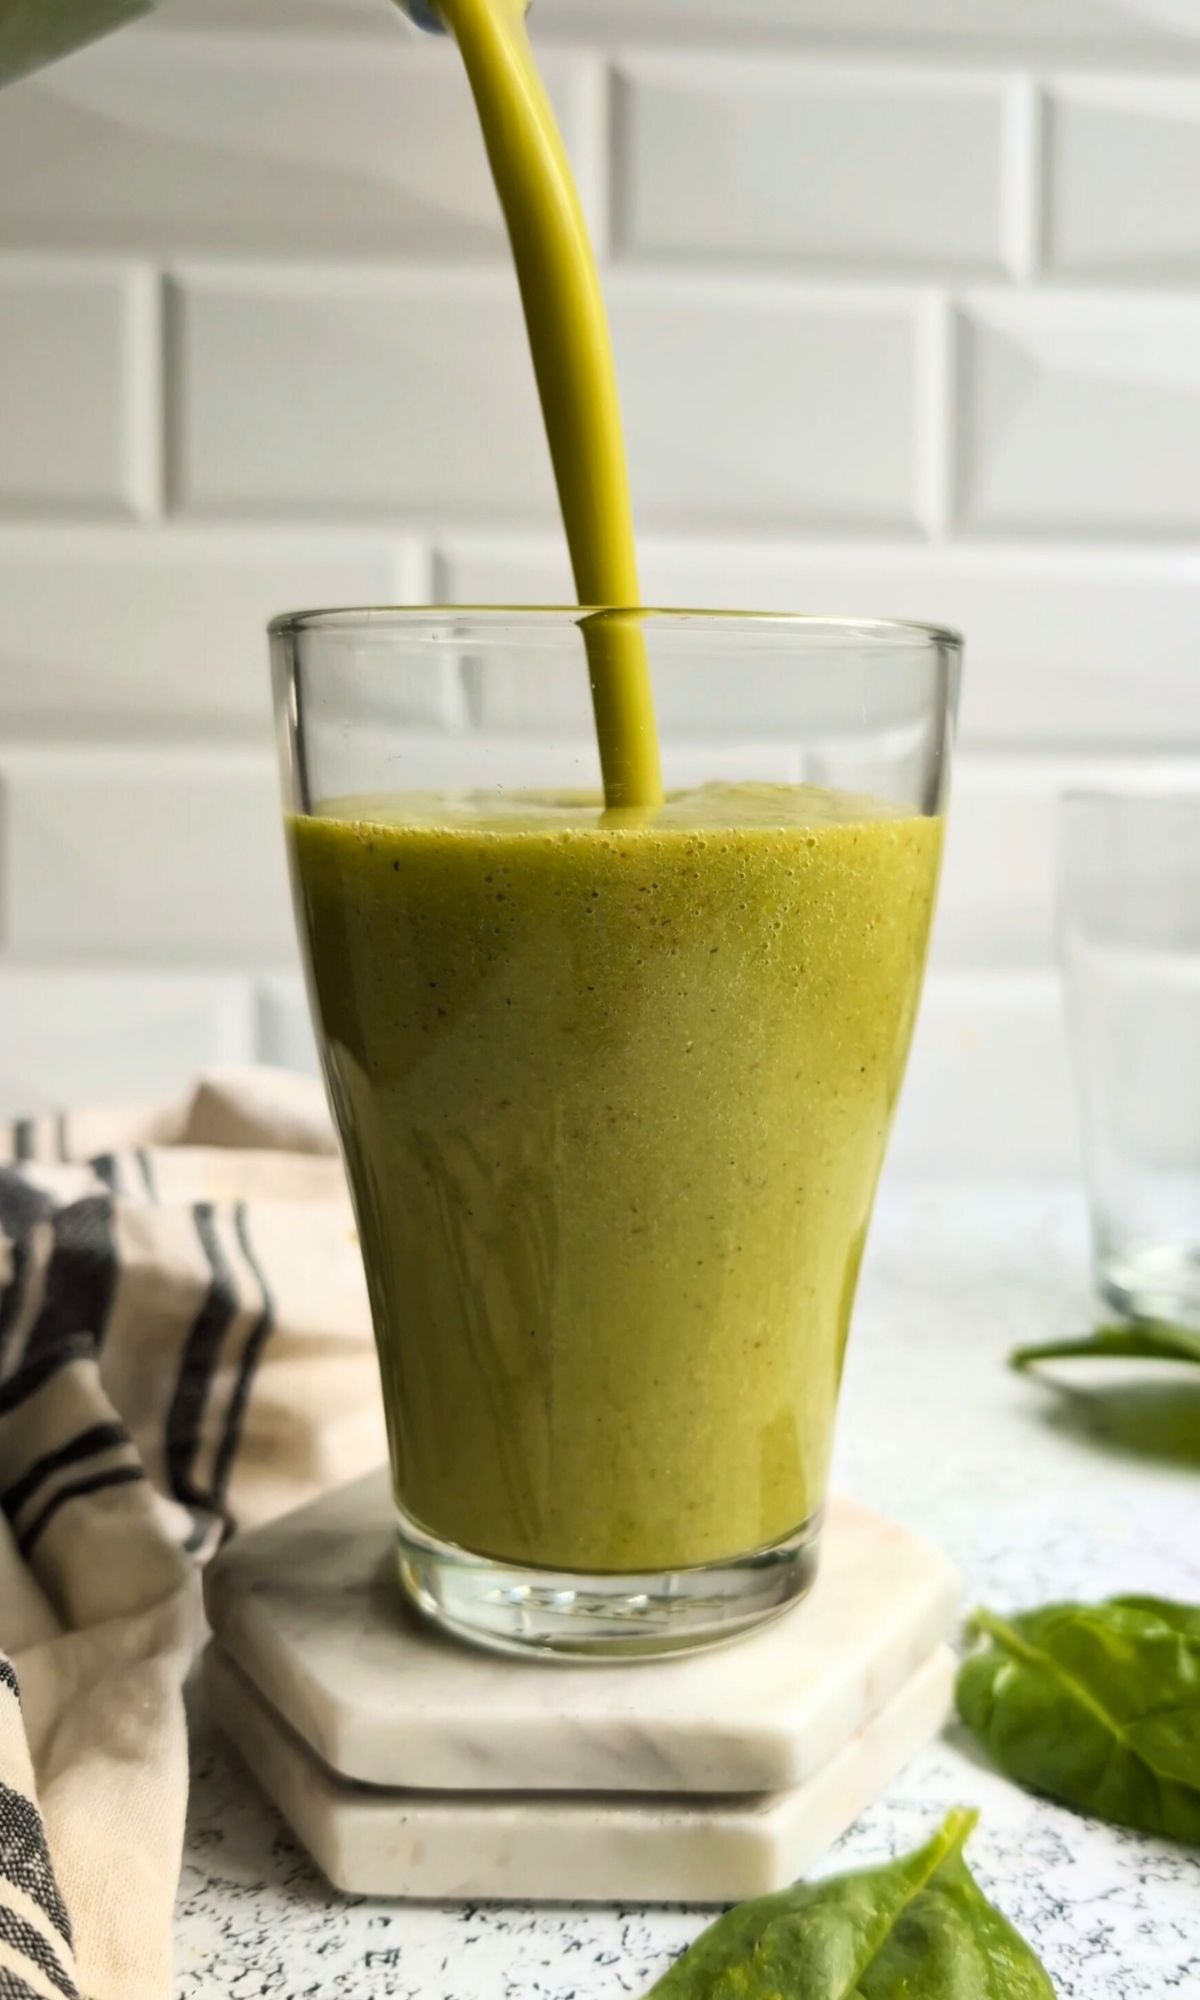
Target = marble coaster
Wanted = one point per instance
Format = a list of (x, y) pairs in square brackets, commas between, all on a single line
[(309, 1609), (544, 1847)]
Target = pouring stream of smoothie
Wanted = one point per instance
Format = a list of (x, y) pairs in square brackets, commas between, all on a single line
[(576, 376), (614, 1076)]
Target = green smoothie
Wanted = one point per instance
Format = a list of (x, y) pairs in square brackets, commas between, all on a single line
[(614, 1100)]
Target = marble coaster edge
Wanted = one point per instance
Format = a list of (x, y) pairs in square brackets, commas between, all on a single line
[(766, 1754), (556, 1748), (686, 1848)]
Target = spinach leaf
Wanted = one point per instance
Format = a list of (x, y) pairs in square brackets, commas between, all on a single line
[(1097, 1705), (916, 1929), (1145, 1340)]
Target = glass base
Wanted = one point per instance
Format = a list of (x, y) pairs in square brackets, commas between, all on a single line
[(555, 1615), (1148, 1283)]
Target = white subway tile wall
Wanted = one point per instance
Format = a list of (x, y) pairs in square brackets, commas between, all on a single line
[(364, 393), (1116, 28), (740, 401), (76, 1036), (1124, 159), (161, 633), (1079, 414), (1113, 30), (1067, 649), (222, 146), (906, 300), (734, 160), (126, 856), (80, 369)]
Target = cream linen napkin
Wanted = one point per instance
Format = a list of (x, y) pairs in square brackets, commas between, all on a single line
[(184, 1345)]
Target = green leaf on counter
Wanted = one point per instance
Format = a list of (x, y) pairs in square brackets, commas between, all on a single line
[(1096, 1705), (1146, 1340), (919, 1928)]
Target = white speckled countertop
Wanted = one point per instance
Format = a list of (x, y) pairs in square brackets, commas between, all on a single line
[(1036, 1493)]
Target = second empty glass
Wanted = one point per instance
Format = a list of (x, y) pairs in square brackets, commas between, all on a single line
[(1129, 931)]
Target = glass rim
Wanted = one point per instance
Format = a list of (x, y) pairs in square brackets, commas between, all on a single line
[(908, 633)]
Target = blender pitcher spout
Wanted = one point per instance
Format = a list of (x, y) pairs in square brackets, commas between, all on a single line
[(424, 14)]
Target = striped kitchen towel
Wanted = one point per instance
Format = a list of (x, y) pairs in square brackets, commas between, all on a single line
[(184, 1346)]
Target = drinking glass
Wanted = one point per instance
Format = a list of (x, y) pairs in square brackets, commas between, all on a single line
[(612, 1087), (1129, 932)]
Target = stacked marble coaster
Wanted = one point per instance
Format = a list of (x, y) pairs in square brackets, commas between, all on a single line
[(412, 1766)]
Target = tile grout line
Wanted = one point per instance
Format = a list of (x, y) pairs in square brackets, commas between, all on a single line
[(422, 570), (597, 167), (170, 392), (936, 417), (1024, 187), (616, 135), (144, 396)]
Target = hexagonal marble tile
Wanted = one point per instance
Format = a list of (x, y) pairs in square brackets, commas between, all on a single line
[(309, 1611), (610, 1847)]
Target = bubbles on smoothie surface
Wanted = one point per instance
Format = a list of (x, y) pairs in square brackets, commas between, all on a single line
[(700, 808)]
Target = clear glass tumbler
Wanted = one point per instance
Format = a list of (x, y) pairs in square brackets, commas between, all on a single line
[(612, 1087), (1129, 932)]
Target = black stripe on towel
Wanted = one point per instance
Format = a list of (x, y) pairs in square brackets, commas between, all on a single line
[(22, 1207), (30, 1376), (147, 1170), (100, 1437), (185, 1417), (251, 1355), (76, 1489), (25, 1858), (22, 1138), (104, 1166), (8, 1679), (81, 1276), (13, 1987), (21, 1937), (61, 1136)]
